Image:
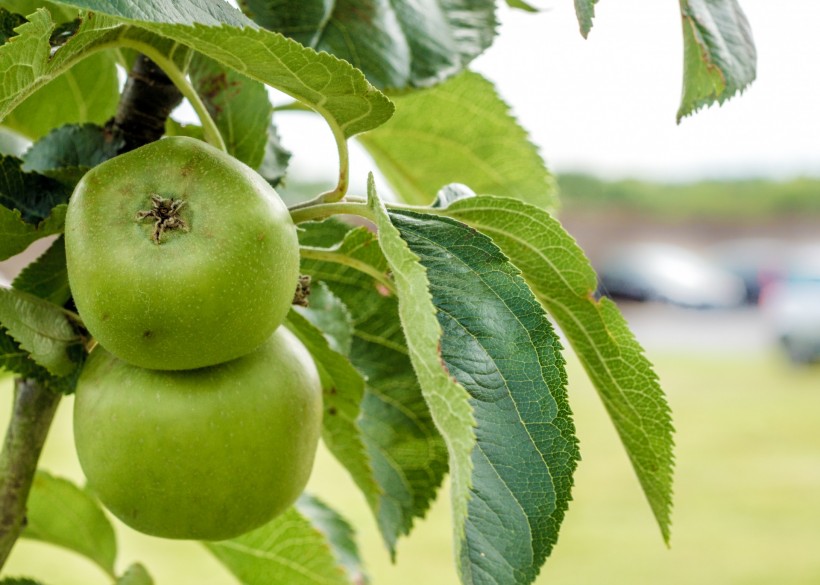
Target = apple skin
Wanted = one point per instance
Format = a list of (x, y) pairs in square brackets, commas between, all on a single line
[(205, 294), (203, 454)]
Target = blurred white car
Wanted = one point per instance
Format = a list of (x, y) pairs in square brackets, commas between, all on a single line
[(669, 273), (792, 305)]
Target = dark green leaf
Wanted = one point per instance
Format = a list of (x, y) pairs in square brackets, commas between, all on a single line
[(66, 153), (339, 534), (585, 10), (41, 329), (19, 581), (398, 44), (16, 235), (47, 277), (34, 195), (135, 575), (60, 513), (563, 280), (239, 106), (332, 87), (408, 454), (494, 340), (8, 22), (343, 390), (471, 139), (275, 160), (720, 58), (269, 555)]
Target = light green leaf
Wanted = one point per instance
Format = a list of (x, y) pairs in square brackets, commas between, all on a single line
[(563, 280), (521, 5), (47, 277), (720, 58), (87, 92), (448, 401), (135, 575), (239, 106), (329, 85), (471, 139), (42, 329), (585, 10), (397, 44), (497, 343), (330, 315), (339, 534), (268, 554), (60, 513), (408, 454), (16, 235), (343, 391)]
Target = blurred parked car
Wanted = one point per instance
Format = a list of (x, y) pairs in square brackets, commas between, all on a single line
[(757, 261), (792, 305), (664, 272)]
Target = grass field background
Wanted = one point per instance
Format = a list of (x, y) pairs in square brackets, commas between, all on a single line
[(747, 495)]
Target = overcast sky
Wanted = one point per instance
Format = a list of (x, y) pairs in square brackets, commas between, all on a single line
[(607, 104)]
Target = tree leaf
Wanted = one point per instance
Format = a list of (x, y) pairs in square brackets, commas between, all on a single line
[(585, 11), (276, 158), (407, 452), (448, 401), (34, 195), (343, 390), (135, 575), (47, 277), (87, 92), (720, 58), (521, 5), (67, 153), (92, 86), (339, 534), (16, 235), (239, 106), (60, 513), (398, 44), (41, 329), (330, 315), (329, 85), (471, 139), (563, 280), (495, 341), (269, 555), (19, 581)]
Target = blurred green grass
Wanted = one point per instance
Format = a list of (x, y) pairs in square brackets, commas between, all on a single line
[(747, 505)]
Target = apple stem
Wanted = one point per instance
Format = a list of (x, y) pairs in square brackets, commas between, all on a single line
[(34, 408)]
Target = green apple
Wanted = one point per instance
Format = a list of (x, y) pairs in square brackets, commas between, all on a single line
[(179, 256), (203, 454)]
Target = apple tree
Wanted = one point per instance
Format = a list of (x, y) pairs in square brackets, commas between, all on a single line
[(417, 339)]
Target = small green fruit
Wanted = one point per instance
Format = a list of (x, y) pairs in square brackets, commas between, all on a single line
[(179, 256), (203, 454)]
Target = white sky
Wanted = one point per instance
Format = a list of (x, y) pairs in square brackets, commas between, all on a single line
[(607, 104)]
